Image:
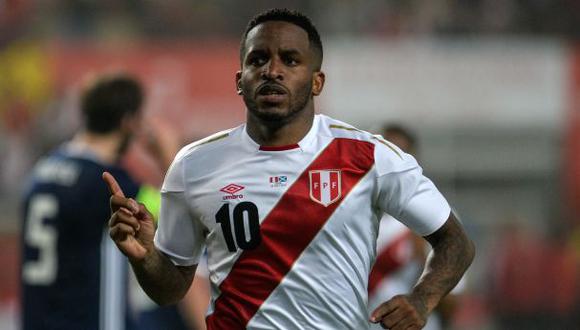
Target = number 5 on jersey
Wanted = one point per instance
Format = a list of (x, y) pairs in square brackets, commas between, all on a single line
[(44, 237), (246, 226)]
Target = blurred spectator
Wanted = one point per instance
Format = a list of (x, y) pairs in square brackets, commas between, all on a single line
[(73, 277), (203, 18), (516, 295), (401, 254), (535, 281), (561, 275)]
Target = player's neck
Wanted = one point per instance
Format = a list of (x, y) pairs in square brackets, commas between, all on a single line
[(105, 147), (291, 132)]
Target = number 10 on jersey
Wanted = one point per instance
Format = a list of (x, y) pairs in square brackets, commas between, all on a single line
[(246, 226)]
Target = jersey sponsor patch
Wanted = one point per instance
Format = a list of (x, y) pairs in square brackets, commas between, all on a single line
[(325, 186)]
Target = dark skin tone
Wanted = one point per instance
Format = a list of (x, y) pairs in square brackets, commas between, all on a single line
[(278, 81), (132, 228)]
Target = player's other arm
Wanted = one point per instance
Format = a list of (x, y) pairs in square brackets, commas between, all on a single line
[(132, 229), (452, 254)]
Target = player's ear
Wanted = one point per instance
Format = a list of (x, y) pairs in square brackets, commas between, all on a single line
[(239, 82), (318, 78)]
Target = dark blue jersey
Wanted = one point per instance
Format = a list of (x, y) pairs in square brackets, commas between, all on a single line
[(73, 277)]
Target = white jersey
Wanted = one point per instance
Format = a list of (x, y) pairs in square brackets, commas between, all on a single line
[(291, 231)]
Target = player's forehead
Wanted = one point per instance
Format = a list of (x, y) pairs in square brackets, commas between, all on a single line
[(277, 35)]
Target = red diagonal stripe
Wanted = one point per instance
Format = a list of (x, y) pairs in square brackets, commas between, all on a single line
[(286, 232), (388, 261)]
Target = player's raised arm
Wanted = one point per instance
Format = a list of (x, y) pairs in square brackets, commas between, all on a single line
[(131, 227), (452, 254)]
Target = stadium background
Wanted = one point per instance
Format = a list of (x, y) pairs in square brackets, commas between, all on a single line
[(492, 88)]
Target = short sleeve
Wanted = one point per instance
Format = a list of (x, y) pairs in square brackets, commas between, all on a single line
[(410, 197), (179, 235)]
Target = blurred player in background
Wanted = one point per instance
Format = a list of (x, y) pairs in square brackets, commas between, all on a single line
[(72, 278), (288, 205), (401, 254)]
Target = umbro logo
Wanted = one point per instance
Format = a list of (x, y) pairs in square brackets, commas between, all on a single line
[(232, 191)]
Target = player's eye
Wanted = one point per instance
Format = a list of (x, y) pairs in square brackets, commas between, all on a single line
[(257, 60), (291, 61)]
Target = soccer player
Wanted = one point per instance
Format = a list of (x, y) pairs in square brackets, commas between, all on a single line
[(288, 205), (400, 253), (72, 278)]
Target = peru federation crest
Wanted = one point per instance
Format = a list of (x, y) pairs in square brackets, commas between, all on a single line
[(325, 186)]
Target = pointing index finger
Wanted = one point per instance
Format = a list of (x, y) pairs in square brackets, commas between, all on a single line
[(114, 187)]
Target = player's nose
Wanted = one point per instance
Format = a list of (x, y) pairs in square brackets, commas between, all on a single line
[(273, 70)]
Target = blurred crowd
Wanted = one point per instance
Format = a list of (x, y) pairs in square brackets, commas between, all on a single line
[(206, 19), (533, 279)]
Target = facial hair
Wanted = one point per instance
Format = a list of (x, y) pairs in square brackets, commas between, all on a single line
[(296, 105)]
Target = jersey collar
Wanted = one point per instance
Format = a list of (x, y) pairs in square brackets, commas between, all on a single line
[(302, 145)]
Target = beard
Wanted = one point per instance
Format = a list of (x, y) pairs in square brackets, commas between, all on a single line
[(295, 106)]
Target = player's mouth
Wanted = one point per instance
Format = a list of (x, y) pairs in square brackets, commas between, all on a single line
[(271, 93)]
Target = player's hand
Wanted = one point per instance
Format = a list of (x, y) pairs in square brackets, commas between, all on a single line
[(131, 225), (401, 312)]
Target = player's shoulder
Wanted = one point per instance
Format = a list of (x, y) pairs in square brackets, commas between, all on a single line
[(339, 129), (199, 158), (388, 157), (208, 144), (202, 155)]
